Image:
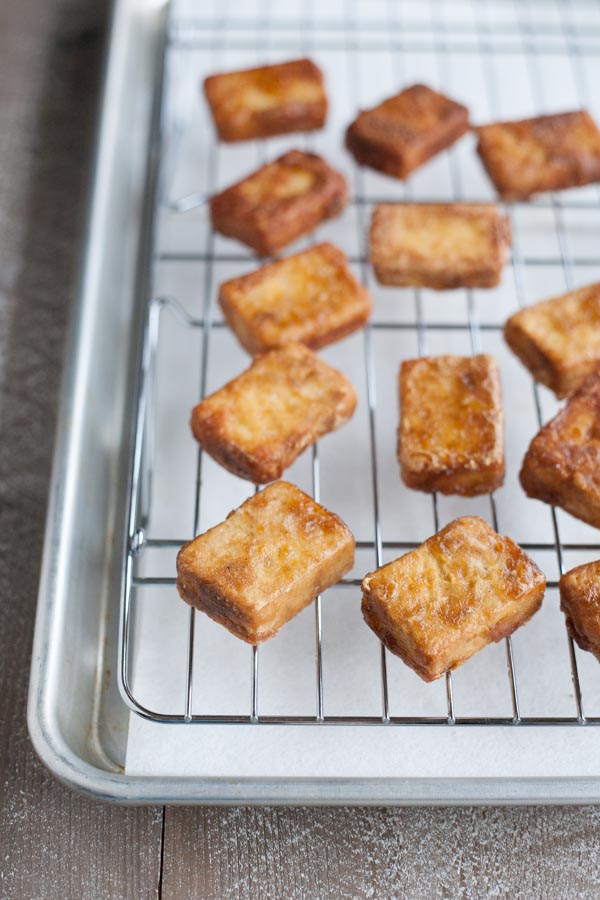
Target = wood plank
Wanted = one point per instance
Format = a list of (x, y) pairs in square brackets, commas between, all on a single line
[(381, 853), (53, 843)]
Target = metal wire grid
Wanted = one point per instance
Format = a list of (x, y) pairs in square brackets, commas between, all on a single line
[(204, 34)]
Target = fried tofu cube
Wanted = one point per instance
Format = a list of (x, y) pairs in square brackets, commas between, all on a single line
[(268, 100), (464, 588), (580, 602), (256, 425), (310, 298), (402, 133), (279, 202), (451, 434), (559, 339), (562, 464), (267, 561), (547, 153), (439, 245)]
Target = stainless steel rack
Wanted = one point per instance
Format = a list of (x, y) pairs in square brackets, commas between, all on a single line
[(572, 39)]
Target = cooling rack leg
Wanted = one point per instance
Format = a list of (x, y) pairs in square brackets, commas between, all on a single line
[(190, 665), (149, 437), (254, 686)]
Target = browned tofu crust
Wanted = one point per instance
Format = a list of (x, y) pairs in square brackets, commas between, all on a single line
[(402, 133), (256, 425), (580, 602), (268, 100), (280, 202), (440, 604), (547, 153), (559, 339), (562, 464), (439, 245), (310, 298), (451, 434), (267, 561)]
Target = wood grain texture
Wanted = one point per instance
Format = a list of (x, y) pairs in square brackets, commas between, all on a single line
[(53, 843), (255, 854)]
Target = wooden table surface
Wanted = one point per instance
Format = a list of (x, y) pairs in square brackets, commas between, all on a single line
[(53, 843)]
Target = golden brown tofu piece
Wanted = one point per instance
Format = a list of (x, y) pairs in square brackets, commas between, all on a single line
[(440, 604), (257, 424), (402, 133), (310, 298), (451, 434), (562, 464), (547, 153), (559, 339), (267, 561), (580, 602), (439, 245), (280, 202), (268, 100)]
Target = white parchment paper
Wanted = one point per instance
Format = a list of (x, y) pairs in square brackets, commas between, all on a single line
[(287, 671)]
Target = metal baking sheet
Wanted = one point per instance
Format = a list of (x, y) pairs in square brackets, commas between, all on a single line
[(328, 665)]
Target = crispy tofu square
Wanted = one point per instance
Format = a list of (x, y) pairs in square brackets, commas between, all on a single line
[(547, 153), (580, 602), (268, 100), (451, 434), (562, 464), (559, 339), (440, 604), (257, 424), (439, 245), (280, 202), (267, 561), (402, 133), (310, 298)]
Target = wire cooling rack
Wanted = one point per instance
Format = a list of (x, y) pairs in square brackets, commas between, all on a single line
[(505, 60)]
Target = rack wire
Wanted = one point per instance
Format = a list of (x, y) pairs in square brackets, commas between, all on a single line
[(568, 36)]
